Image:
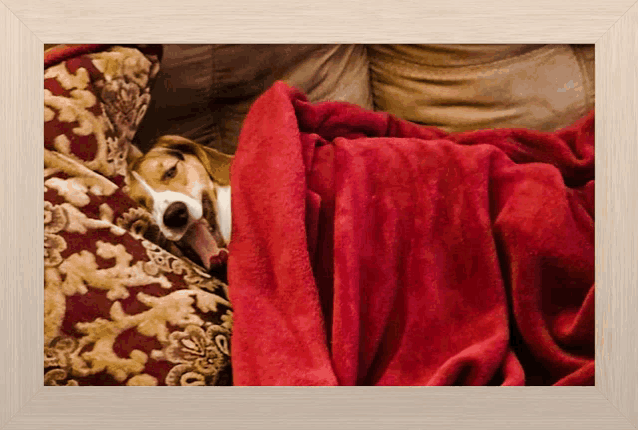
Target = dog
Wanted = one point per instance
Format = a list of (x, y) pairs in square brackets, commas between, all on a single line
[(186, 188)]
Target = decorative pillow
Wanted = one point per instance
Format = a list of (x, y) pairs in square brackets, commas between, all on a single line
[(121, 306)]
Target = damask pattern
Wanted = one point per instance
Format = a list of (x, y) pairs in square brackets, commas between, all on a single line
[(122, 305)]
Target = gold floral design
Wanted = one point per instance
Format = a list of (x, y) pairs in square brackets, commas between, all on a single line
[(164, 256), (174, 309), (54, 221), (137, 221), (54, 304), (227, 320), (93, 352), (76, 109), (125, 104), (58, 352), (78, 80), (200, 355), (55, 377), (55, 218), (128, 63), (142, 380), (117, 151), (81, 270), (53, 247), (82, 180), (57, 355), (123, 95), (162, 261)]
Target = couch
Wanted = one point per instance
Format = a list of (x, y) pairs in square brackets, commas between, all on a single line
[(204, 91)]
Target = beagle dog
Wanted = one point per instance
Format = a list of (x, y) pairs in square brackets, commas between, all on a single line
[(186, 188)]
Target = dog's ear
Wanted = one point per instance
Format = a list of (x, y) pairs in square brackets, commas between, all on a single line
[(216, 163)]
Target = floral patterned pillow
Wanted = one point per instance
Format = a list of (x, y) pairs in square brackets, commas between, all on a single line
[(122, 307)]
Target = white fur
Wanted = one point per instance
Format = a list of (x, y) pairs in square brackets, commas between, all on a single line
[(223, 212), (162, 199)]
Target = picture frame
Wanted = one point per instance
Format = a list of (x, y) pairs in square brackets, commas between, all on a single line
[(26, 26)]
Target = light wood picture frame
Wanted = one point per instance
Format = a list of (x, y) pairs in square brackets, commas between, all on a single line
[(26, 26)]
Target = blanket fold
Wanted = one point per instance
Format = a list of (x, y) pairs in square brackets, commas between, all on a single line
[(368, 250)]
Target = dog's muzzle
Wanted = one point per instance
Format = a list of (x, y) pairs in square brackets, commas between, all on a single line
[(176, 215)]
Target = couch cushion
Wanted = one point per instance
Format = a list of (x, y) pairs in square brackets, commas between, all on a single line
[(204, 91), (466, 87), (94, 102)]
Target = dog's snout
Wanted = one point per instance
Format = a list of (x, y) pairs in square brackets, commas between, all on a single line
[(176, 215)]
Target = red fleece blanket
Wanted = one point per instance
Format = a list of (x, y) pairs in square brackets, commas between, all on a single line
[(368, 250)]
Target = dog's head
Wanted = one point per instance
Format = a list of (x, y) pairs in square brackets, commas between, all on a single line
[(186, 188)]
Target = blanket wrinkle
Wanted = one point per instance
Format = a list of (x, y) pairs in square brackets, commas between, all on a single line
[(368, 250)]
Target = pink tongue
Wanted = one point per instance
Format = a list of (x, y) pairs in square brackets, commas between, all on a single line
[(202, 242)]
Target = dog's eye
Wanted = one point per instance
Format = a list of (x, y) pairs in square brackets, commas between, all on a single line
[(170, 173)]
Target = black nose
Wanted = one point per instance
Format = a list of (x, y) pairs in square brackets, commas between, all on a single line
[(176, 215)]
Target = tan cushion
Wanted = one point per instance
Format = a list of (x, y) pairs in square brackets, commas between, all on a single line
[(204, 92), (465, 87)]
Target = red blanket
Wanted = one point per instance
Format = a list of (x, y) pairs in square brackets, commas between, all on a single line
[(367, 250)]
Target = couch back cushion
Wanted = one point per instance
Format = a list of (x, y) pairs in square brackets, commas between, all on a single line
[(467, 87), (204, 91)]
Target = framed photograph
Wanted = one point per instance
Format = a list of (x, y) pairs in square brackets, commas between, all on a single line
[(141, 128)]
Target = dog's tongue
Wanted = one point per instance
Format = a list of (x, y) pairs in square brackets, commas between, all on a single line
[(200, 239)]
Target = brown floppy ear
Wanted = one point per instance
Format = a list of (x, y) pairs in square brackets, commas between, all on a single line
[(216, 163)]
